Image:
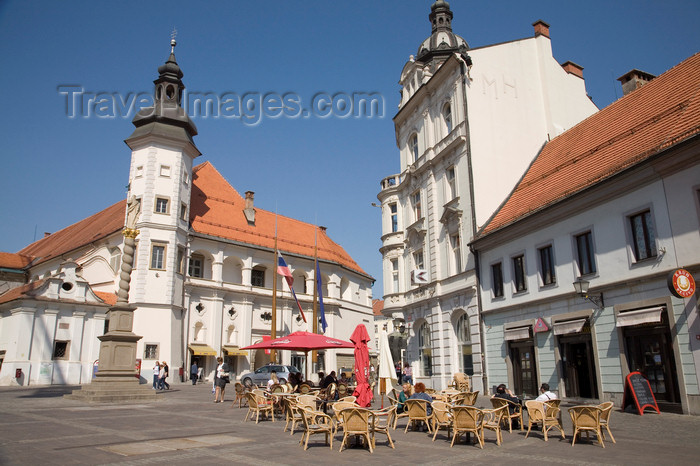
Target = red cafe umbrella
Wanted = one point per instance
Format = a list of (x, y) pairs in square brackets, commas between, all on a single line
[(302, 341), (363, 392)]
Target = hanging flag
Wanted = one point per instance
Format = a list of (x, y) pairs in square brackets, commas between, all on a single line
[(319, 286), (283, 269)]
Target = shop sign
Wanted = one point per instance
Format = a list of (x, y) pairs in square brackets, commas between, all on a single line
[(681, 283), (540, 326)]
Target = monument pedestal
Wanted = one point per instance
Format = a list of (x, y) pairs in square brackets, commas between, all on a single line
[(116, 377)]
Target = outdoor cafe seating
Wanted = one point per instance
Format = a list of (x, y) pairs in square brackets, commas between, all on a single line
[(586, 419), (293, 414), (605, 412), (547, 417), (356, 422), (417, 411), (316, 423), (441, 418), (515, 412), (382, 420), (493, 420), (258, 405), (467, 420)]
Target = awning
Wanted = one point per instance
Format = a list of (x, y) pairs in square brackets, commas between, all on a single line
[(518, 333), (234, 351), (202, 350), (569, 326), (640, 316)]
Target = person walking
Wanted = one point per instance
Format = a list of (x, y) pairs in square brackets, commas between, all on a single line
[(156, 375), (194, 371), (407, 373), (221, 378), (162, 383)]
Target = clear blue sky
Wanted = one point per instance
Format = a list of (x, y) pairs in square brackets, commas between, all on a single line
[(57, 170)]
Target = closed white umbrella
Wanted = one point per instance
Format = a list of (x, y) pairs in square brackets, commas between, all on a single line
[(387, 371)]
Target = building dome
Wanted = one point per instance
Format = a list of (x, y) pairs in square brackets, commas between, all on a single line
[(442, 42)]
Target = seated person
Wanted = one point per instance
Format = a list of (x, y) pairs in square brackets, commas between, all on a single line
[(506, 394), (330, 378), (421, 395), (546, 394), (273, 380), (344, 379), (403, 396)]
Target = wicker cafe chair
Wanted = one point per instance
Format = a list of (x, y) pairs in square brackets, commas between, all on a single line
[(417, 410), (470, 398), (304, 388), (342, 390), (493, 420), (515, 411), (538, 413), (356, 421), (381, 421), (461, 382), (337, 407), (240, 394), (441, 417), (316, 423), (605, 412), (468, 419), (348, 399), (550, 405), (293, 414), (586, 419), (257, 405)]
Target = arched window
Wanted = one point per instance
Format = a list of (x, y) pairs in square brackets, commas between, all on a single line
[(198, 331), (464, 344), (447, 115), (425, 351), (413, 147)]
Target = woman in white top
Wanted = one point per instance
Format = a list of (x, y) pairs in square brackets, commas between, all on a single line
[(273, 380), (220, 379)]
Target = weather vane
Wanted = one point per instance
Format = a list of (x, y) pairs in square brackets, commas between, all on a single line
[(173, 43)]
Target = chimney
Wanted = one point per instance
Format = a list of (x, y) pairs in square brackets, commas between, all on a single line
[(46, 234), (541, 28), (634, 79), (572, 68), (249, 211)]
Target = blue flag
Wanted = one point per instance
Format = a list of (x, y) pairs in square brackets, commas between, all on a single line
[(319, 286)]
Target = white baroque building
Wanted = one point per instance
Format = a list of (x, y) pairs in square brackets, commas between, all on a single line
[(469, 123), (203, 273)]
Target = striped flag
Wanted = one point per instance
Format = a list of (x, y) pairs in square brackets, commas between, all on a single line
[(283, 269)]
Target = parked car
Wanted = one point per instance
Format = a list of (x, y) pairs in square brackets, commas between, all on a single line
[(262, 375)]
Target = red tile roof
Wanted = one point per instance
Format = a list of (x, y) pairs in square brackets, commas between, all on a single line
[(216, 210), (660, 114), (82, 233), (108, 298), (377, 306), (11, 260)]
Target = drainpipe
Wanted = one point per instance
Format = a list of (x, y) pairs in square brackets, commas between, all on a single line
[(464, 69), (186, 313)]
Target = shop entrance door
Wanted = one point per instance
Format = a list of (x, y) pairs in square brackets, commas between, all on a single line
[(578, 366), (650, 352), (522, 357)]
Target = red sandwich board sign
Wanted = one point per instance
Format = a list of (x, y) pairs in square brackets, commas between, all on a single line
[(638, 393)]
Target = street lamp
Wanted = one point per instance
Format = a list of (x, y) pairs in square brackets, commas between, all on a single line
[(581, 287)]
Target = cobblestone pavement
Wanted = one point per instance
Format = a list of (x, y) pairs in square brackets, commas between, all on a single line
[(39, 426)]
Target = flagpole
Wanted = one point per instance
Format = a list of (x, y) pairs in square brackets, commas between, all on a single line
[(314, 354), (273, 325)]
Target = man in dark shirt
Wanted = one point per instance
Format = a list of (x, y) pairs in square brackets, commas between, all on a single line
[(330, 378), (503, 392)]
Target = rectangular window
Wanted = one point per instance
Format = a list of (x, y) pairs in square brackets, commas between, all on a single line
[(497, 279), (257, 277), (165, 170), (456, 253), (61, 350), (162, 205), (418, 260), (451, 185), (139, 171), (643, 237), (180, 260), (547, 266), (393, 208), (183, 211), (415, 202), (150, 351), (584, 250), (394, 275), (158, 256), (519, 273), (196, 268)]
